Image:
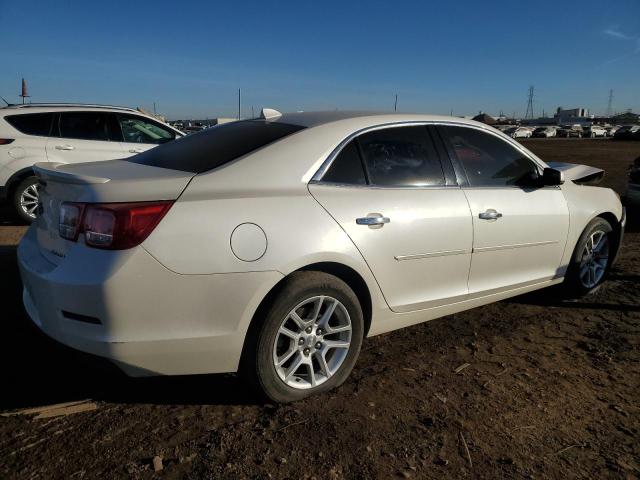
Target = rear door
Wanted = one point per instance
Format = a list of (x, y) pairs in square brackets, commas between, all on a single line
[(84, 136), (140, 133), (519, 231), (399, 203)]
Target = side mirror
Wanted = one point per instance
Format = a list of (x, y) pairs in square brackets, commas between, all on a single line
[(552, 177)]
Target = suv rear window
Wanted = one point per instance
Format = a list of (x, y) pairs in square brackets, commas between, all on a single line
[(32, 123), (215, 146)]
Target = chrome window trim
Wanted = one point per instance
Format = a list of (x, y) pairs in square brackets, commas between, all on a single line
[(383, 187), (326, 164)]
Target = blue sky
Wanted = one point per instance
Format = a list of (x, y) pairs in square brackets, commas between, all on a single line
[(191, 57)]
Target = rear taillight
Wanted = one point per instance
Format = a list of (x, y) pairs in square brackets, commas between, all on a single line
[(114, 226), (70, 220), (6, 141)]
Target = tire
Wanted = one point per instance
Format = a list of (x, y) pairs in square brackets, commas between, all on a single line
[(25, 199), (301, 348), (574, 283)]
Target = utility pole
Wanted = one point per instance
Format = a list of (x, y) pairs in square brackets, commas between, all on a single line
[(395, 105), (529, 113), (238, 104), (23, 93), (154, 109), (610, 104)]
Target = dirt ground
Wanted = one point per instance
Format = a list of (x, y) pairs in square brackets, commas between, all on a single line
[(551, 390)]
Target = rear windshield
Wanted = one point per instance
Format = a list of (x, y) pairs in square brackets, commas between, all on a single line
[(215, 146)]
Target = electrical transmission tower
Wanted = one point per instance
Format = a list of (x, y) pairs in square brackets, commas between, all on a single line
[(529, 113), (610, 104)]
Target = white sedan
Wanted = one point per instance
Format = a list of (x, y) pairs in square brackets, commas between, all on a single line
[(273, 246), (519, 132)]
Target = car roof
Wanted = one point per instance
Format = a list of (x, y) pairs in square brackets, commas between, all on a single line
[(56, 107), (314, 119)]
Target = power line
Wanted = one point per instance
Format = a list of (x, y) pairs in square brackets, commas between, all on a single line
[(610, 104), (529, 112)]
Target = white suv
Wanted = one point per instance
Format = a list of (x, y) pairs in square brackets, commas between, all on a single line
[(67, 133)]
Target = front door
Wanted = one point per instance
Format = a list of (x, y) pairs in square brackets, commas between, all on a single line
[(519, 230), (388, 191)]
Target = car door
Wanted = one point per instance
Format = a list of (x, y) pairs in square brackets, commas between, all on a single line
[(519, 229), (140, 133), (398, 201), (83, 136)]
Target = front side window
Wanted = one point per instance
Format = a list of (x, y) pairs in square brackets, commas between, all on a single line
[(85, 126), (32, 123), (141, 130), (489, 161), (401, 156)]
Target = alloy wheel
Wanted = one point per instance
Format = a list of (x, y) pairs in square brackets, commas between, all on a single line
[(29, 200), (595, 256), (312, 342)]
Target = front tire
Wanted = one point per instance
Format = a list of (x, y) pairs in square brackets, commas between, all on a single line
[(310, 339), (25, 199), (591, 259)]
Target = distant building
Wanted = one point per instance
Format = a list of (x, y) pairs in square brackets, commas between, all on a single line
[(572, 113), (573, 116)]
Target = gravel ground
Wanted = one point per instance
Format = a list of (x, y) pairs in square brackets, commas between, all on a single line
[(551, 390)]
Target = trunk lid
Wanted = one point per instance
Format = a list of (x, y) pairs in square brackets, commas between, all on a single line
[(112, 181)]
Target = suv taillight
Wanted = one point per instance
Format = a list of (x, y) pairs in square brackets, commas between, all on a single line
[(6, 141), (113, 226)]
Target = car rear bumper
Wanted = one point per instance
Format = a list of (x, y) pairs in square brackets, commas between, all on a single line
[(137, 313)]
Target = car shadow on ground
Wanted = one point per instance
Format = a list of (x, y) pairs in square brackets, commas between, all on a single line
[(35, 370), (8, 218)]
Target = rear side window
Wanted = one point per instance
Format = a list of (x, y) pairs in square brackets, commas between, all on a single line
[(488, 160), (346, 167), (32, 123), (86, 125), (401, 156), (215, 146)]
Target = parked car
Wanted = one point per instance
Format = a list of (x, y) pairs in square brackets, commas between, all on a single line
[(611, 130), (633, 187), (544, 132), (628, 132), (67, 133), (593, 131), (273, 246), (569, 131), (519, 132)]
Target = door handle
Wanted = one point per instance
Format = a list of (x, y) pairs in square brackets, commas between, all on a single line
[(135, 150), (65, 147), (373, 220), (490, 214)]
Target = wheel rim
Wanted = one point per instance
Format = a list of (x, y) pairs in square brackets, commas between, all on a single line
[(312, 342), (595, 256), (29, 200)]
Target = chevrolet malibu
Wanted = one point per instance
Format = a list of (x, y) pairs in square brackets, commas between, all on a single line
[(273, 246)]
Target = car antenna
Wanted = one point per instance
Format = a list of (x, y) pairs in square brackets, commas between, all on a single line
[(3, 99)]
